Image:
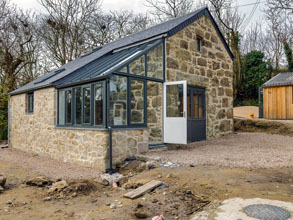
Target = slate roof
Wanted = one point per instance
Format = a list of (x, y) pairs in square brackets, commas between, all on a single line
[(282, 79), (165, 29)]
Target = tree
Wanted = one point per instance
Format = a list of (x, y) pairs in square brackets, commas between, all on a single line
[(106, 27), (167, 9), (281, 4), (15, 34), (64, 26), (255, 73), (289, 55), (230, 20)]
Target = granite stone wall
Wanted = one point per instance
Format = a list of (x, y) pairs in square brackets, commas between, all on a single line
[(37, 133), (210, 68)]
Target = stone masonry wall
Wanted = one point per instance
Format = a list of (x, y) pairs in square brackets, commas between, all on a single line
[(211, 68), (36, 133)]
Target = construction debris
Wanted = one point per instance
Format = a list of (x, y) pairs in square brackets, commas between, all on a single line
[(143, 189)]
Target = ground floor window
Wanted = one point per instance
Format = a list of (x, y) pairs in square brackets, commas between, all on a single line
[(82, 105)]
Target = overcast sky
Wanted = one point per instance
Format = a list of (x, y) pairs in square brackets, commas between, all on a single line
[(138, 6)]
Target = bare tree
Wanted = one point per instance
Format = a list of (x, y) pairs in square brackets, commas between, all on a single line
[(281, 4), (114, 25), (64, 26), (167, 9), (15, 35)]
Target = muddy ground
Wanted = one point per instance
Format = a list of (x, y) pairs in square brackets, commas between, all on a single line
[(186, 191)]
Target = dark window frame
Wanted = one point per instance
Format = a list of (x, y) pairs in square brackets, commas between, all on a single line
[(106, 95), (144, 123), (199, 43), (73, 102), (30, 103), (199, 92)]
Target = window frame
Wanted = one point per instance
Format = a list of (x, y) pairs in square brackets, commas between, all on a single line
[(73, 103), (106, 94), (199, 44), (200, 92), (144, 123), (30, 103)]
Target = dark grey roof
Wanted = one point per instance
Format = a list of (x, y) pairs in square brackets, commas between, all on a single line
[(106, 64), (282, 79), (168, 28)]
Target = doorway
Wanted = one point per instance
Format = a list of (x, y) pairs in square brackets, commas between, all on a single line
[(196, 115)]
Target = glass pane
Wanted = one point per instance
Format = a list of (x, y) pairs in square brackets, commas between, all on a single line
[(123, 70), (200, 106), (137, 101), (155, 62), (154, 111), (118, 100), (78, 105), (175, 100), (137, 67), (87, 105), (188, 103), (195, 106), (68, 106), (99, 104), (61, 107)]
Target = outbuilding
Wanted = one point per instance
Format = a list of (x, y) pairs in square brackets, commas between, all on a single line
[(278, 97), (171, 83)]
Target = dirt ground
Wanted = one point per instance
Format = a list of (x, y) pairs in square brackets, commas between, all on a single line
[(247, 150), (244, 111), (188, 189)]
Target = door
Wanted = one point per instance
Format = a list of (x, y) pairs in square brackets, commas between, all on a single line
[(175, 106), (260, 102), (196, 116)]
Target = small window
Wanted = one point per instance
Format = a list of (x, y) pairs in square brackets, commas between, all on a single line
[(30, 102), (87, 105), (78, 105), (198, 42), (99, 103), (137, 101), (68, 106)]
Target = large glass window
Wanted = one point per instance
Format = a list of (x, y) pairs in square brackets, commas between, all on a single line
[(68, 100), (83, 105), (78, 105), (99, 107), (155, 62), (87, 105), (118, 100), (137, 67), (137, 101)]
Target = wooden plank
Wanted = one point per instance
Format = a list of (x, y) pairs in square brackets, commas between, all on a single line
[(143, 189)]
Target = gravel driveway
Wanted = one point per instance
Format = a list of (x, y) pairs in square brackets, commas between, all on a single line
[(246, 150), (46, 166)]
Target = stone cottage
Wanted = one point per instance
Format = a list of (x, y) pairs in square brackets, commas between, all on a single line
[(171, 83)]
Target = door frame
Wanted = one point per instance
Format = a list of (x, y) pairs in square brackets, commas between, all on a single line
[(181, 122)]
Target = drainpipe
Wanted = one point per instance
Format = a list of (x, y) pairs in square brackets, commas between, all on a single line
[(110, 170), (8, 127)]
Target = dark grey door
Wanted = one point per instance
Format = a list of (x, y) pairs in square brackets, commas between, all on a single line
[(196, 117)]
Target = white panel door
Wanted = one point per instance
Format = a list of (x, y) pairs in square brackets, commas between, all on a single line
[(175, 107)]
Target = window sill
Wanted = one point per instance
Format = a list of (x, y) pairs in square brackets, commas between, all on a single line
[(81, 128), (100, 128)]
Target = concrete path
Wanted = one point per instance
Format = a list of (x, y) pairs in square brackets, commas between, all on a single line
[(233, 209)]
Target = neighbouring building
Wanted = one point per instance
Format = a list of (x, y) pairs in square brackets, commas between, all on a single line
[(171, 83), (278, 97)]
